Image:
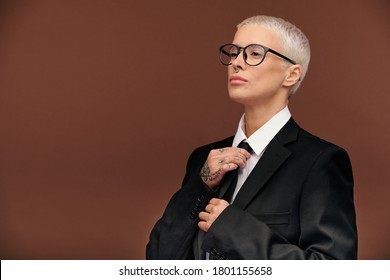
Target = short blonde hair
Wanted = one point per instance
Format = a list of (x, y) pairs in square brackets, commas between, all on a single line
[(294, 43)]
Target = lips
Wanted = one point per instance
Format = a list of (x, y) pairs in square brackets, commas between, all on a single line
[(237, 80)]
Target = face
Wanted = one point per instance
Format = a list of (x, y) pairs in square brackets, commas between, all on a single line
[(263, 83)]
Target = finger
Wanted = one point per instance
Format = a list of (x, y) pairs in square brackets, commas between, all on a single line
[(230, 151), (203, 215), (209, 208), (217, 168), (230, 156), (239, 153), (214, 201), (239, 160), (243, 152), (228, 167), (203, 226)]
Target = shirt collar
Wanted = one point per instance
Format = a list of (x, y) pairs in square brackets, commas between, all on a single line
[(263, 136)]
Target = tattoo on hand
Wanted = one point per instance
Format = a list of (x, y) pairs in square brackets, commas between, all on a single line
[(205, 173)]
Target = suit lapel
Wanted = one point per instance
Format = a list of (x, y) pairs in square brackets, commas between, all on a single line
[(274, 156)]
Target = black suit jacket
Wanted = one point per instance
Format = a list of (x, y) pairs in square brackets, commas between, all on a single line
[(297, 203)]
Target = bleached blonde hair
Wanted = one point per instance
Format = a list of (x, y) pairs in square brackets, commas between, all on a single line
[(294, 43)]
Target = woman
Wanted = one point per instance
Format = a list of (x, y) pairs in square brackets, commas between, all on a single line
[(291, 194)]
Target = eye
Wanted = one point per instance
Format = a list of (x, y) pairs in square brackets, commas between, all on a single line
[(256, 54)]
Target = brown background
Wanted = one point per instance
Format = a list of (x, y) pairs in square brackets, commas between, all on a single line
[(102, 101)]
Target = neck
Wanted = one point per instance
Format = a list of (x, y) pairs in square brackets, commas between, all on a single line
[(257, 116)]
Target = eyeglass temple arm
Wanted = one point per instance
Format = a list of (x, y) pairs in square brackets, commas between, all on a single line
[(282, 56)]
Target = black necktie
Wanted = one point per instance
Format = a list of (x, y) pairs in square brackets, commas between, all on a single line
[(232, 181)]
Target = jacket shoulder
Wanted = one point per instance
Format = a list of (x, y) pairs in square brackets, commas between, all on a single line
[(313, 143), (295, 137)]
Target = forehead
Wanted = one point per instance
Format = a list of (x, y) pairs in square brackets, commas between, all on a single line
[(255, 34)]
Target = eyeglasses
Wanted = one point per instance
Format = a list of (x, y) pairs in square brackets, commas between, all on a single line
[(253, 54)]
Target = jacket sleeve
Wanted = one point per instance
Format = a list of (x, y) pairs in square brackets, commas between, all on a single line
[(326, 214), (172, 236)]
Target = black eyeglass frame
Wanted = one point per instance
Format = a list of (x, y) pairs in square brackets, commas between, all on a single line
[(266, 50)]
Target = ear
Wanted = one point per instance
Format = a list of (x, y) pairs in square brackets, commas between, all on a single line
[(294, 73)]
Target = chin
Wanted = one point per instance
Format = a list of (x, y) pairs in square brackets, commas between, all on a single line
[(238, 97)]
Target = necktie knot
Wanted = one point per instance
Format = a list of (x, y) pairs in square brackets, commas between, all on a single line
[(244, 145)]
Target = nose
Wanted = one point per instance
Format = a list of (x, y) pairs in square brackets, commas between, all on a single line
[(239, 62)]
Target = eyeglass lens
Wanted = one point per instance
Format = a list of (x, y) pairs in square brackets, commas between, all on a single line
[(253, 54)]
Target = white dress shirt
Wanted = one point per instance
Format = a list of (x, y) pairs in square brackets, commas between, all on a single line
[(258, 141)]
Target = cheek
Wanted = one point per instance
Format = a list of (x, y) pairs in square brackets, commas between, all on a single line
[(265, 87), (269, 81), (241, 93)]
